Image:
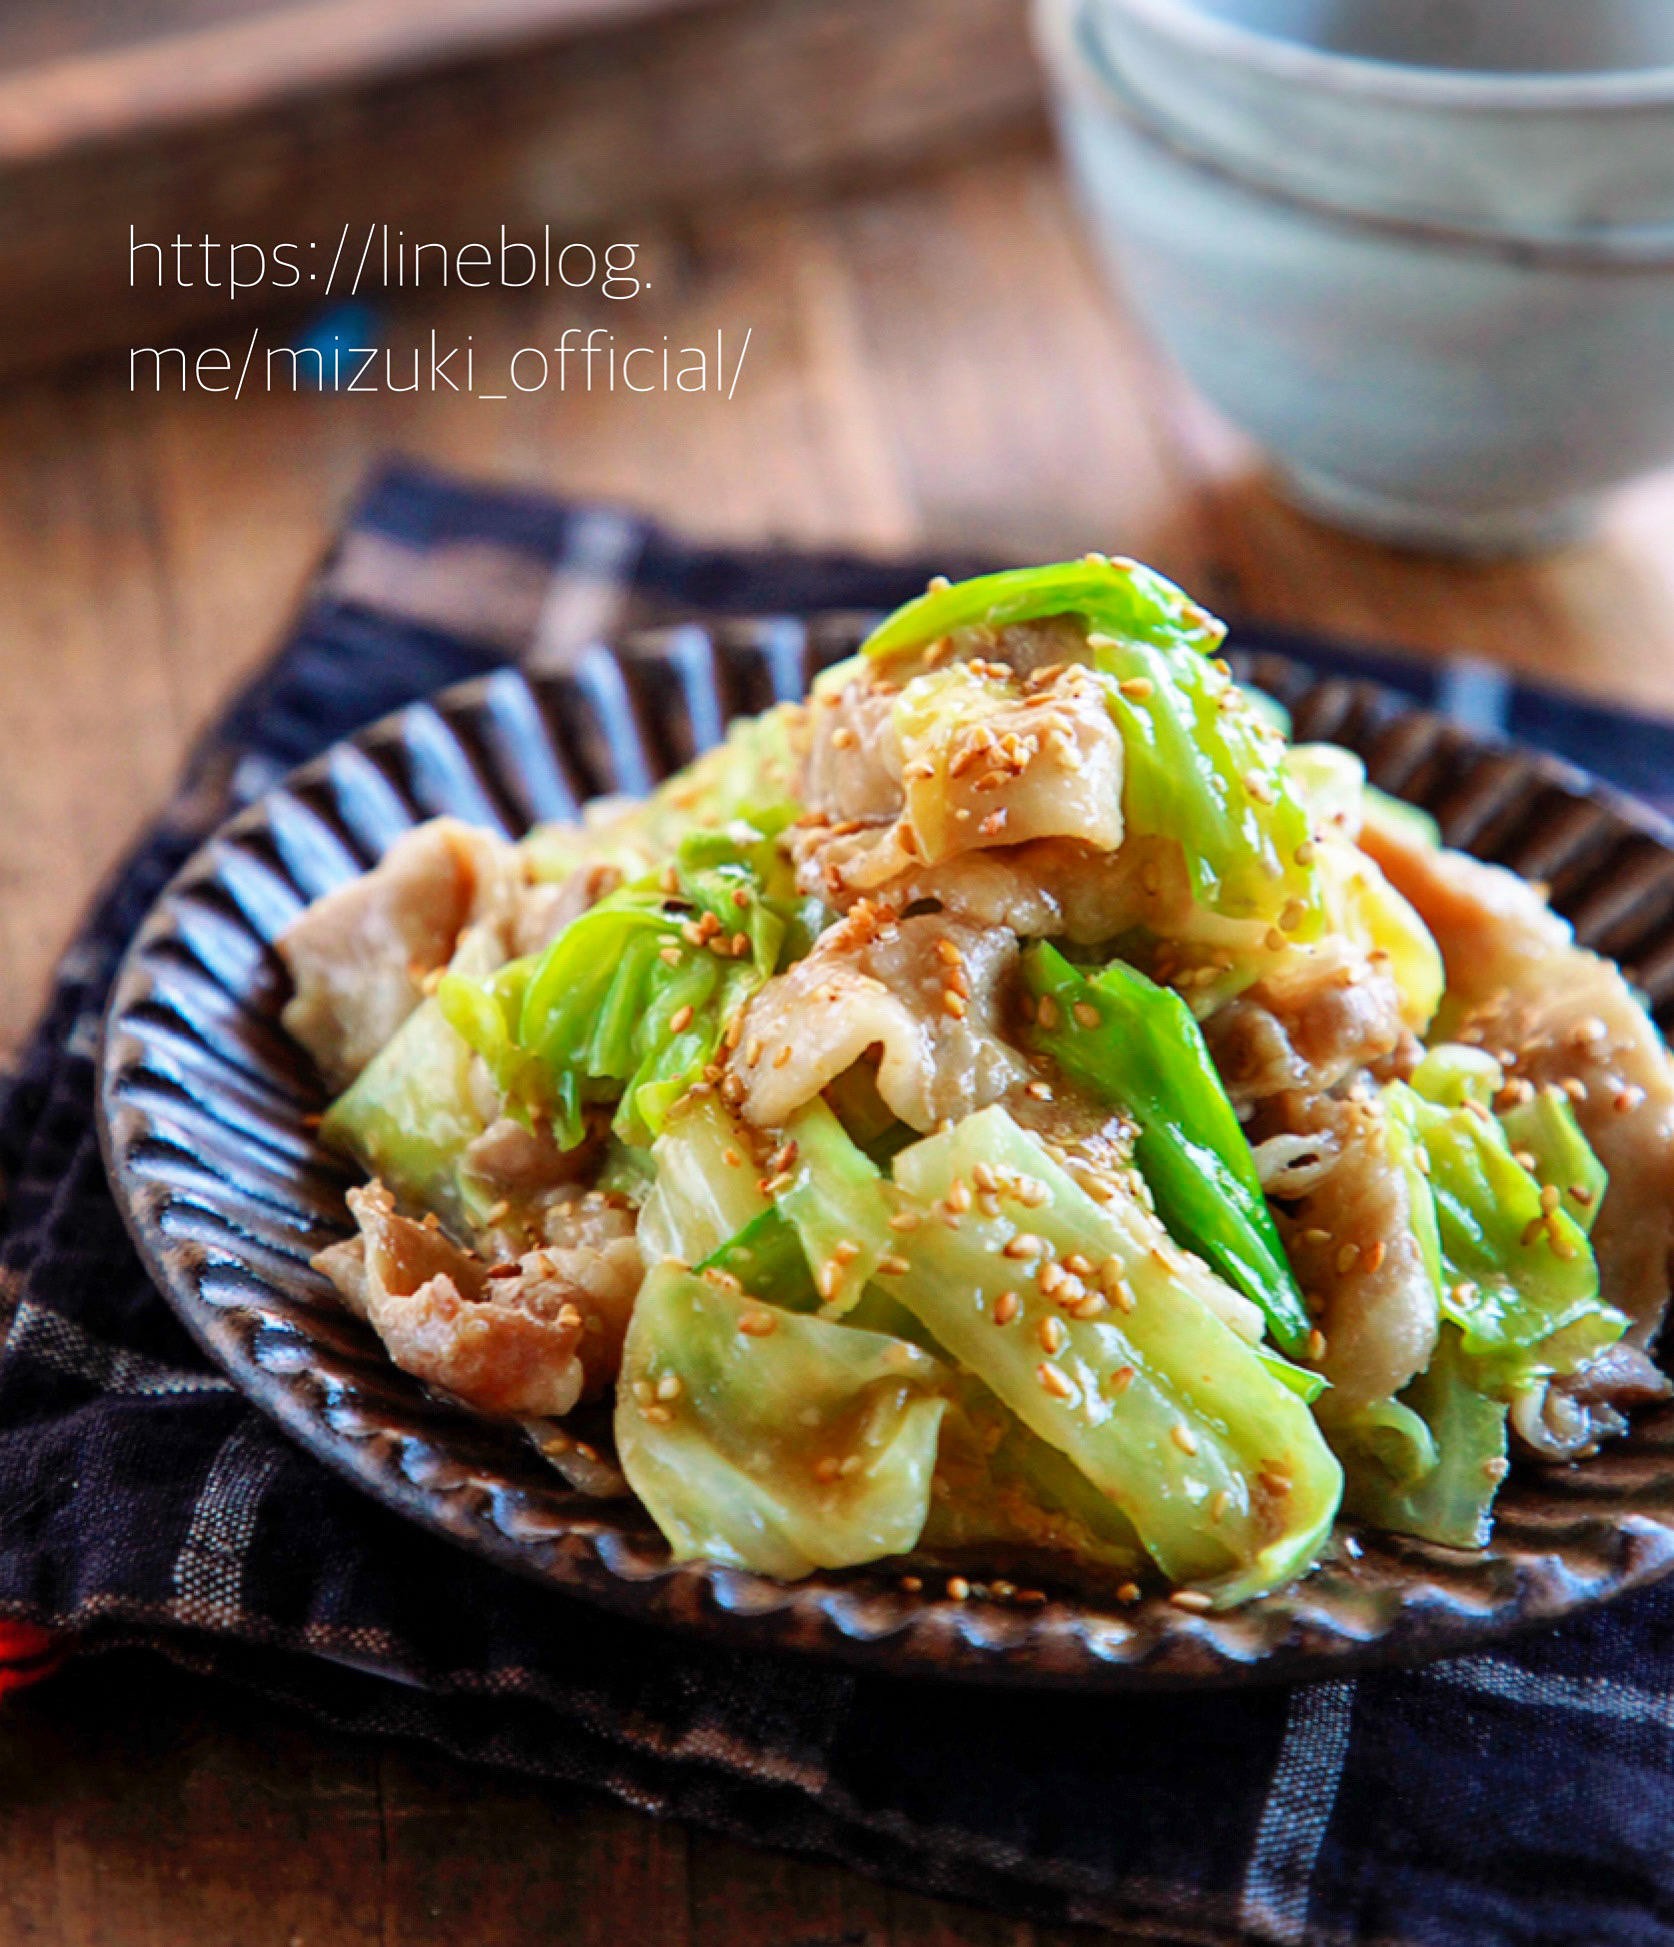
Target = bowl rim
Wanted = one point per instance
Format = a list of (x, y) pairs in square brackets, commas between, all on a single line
[(1446, 90)]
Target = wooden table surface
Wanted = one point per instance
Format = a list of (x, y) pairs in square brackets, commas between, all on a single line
[(935, 364)]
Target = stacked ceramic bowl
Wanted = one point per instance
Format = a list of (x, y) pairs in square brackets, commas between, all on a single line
[(1422, 250)]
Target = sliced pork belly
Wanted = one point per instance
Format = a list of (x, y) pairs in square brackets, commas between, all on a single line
[(358, 956), (523, 1339), (1319, 1017), (1356, 1258), (927, 993), (1554, 1013), (919, 786)]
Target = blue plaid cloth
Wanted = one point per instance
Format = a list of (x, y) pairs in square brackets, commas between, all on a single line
[(1525, 1795)]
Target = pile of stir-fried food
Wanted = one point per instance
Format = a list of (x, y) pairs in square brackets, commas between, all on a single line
[(1012, 1108)]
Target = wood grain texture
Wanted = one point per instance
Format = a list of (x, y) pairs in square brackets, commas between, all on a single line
[(142, 1808), (933, 364), (444, 121)]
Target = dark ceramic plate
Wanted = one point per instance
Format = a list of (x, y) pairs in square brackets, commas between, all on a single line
[(205, 1110)]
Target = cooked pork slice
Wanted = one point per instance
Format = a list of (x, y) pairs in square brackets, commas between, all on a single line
[(853, 766), (961, 763), (1322, 1014), (1555, 1014), (1050, 889), (522, 1339), (359, 955), (1024, 647), (928, 993), (1567, 1418), (508, 1160), (1356, 1258), (586, 1237)]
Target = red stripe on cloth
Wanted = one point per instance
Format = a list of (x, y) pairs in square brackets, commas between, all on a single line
[(26, 1655)]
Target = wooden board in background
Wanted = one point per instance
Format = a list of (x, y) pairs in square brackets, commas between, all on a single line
[(448, 117)]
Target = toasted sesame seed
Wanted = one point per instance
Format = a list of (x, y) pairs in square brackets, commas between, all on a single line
[(1374, 1254), (958, 1589), (1024, 1244), (758, 1325), (1119, 1381), (1194, 1601), (892, 1266), (1051, 1335), (1086, 1015), (1006, 1307), (1047, 1013), (1136, 688), (1347, 1258), (912, 1584), (905, 1220), (681, 1019), (1128, 1592), (1314, 1235), (1550, 1197), (1525, 1159), (959, 1195), (659, 1415), (783, 1056), (1219, 1503), (1316, 1345), (1274, 940), (1581, 1193), (1183, 1437), (1038, 1091), (496, 1211), (1497, 1468), (1055, 1381)]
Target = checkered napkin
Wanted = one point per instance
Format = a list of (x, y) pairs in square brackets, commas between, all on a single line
[(1523, 1795)]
